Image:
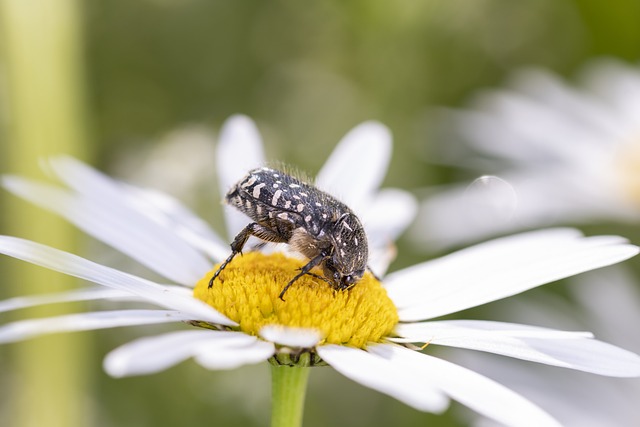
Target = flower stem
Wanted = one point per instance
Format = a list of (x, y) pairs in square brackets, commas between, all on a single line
[(42, 59), (288, 388)]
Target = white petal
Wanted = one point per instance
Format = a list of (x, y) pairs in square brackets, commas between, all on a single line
[(461, 214), (110, 219), (446, 329), (292, 337), (385, 376), (389, 214), (542, 118), (617, 85), (153, 354), (498, 269), (574, 109), (76, 266), (467, 387), (239, 150), (357, 165), (19, 303), (573, 398), (88, 294), (173, 215), (30, 328), (212, 356), (573, 350), (562, 143), (130, 213)]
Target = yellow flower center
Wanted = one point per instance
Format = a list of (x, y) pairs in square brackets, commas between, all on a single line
[(247, 290)]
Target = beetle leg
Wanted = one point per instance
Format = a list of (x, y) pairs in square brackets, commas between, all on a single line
[(253, 229), (317, 276), (304, 270)]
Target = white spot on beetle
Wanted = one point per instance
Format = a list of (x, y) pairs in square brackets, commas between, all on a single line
[(318, 204), (259, 209), (283, 215), (355, 241), (249, 182), (304, 194), (307, 218), (300, 207), (294, 186), (287, 204), (276, 196), (256, 190), (296, 197)]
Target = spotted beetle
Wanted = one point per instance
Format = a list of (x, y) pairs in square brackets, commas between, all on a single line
[(287, 210)]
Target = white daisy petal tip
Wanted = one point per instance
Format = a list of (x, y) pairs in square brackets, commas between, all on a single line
[(370, 130), (240, 129), (371, 137), (291, 337), (153, 354), (239, 149), (239, 121), (215, 358), (115, 366), (368, 145)]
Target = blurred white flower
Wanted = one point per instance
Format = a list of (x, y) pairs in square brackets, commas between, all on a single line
[(160, 164), (367, 333), (565, 155), (613, 311)]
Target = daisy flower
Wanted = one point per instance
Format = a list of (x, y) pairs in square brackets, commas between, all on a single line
[(372, 334), (562, 155)]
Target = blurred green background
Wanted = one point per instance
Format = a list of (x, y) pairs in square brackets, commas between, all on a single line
[(109, 80)]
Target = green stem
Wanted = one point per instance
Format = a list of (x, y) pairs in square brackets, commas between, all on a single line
[(42, 80), (288, 388)]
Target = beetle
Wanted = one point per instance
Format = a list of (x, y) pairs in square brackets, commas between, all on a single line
[(284, 209)]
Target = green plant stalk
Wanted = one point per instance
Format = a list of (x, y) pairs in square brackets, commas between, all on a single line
[(41, 49), (288, 389)]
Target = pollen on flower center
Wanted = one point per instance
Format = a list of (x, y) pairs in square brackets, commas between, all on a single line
[(247, 292)]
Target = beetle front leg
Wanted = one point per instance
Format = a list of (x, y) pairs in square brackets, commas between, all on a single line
[(304, 270), (253, 229), (236, 248)]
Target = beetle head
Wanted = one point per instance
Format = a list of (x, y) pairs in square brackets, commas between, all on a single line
[(348, 259)]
